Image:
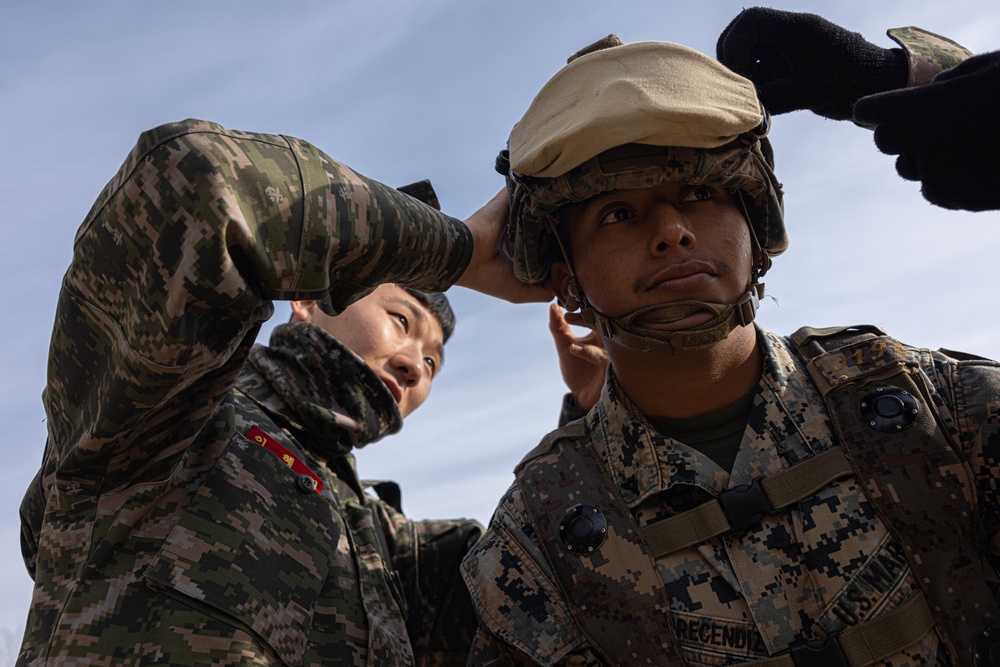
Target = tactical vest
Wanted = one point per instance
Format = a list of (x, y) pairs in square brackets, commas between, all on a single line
[(892, 436)]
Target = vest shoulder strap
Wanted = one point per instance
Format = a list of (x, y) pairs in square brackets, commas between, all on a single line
[(910, 469)]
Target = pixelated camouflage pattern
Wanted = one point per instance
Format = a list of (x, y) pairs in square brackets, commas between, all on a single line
[(335, 411), (745, 166), (427, 556), (519, 607), (570, 410), (606, 598), (927, 53), (825, 564), (917, 480), (155, 530)]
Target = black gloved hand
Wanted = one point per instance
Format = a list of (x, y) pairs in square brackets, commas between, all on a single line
[(947, 133), (802, 61)]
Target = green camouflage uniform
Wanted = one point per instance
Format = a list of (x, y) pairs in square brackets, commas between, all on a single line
[(825, 564), (157, 530)]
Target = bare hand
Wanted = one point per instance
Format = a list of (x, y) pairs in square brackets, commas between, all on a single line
[(490, 271), (583, 360)]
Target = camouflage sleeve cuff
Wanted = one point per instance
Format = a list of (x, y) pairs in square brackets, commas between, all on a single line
[(927, 53), (368, 233)]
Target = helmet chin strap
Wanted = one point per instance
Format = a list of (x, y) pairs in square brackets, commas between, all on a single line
[(637, 330)]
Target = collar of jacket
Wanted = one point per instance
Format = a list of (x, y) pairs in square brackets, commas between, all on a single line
[(327, 391), (644, 462)]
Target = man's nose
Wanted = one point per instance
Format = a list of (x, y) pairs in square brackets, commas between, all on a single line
[(407, 363), (671, 229)]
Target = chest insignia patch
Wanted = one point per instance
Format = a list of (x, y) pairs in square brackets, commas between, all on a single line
[(289, 459)]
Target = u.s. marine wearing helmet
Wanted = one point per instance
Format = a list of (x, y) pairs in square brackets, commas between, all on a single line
[(610, 120), (733, 496)]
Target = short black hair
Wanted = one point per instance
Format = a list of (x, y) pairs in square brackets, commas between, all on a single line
[(437, 303)]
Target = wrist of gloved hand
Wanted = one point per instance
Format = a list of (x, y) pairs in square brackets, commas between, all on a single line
[(869, 72)]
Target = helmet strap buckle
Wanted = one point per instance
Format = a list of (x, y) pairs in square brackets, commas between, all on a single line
[(746, 307)]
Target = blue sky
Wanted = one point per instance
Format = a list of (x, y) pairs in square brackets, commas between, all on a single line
[(404, 90)]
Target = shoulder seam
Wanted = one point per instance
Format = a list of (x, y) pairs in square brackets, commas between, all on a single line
[(573, 430)]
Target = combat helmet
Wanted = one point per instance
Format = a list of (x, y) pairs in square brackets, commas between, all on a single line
[(624, 116)]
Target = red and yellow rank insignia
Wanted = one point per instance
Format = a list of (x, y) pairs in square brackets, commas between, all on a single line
[(289, 459)]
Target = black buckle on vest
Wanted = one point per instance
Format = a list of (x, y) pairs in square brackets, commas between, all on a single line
[(819, 653), (744, 505)]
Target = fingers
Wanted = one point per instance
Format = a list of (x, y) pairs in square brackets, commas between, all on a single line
[(531, 294), (490, 271), (896, 117), (943, 133), (488, 222), (751, 43), (590, 348), (561, 331), (883, 107), (908, 167), (576, 319), (564, 321), (556, 320), (497, 205), (503, 284), (735, 42), (592, 354)]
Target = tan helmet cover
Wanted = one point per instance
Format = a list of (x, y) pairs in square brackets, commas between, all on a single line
[(645, 93), (633, 116)]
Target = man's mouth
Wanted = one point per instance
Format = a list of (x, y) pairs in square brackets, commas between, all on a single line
[(394, 388), (680, 277)]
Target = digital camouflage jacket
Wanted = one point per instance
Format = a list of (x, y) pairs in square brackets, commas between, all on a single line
[(818, 567), (197, 501)]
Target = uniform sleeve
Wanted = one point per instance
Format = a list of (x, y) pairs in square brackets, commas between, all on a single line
[(426, 556), (522, 614), (174, 270), (976, 389)]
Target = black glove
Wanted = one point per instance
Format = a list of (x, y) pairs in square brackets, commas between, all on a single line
[(947, 133), (802, 61)]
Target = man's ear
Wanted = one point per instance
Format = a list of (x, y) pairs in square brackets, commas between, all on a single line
[(304, 311), (560, 278)]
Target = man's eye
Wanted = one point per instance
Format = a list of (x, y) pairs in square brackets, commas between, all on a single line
[(699, 193), (431, 363), (616, 215), (402, 320)]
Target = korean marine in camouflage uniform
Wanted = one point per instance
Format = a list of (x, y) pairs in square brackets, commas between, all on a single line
[(942, 125), (197, 502), (735, 496)]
